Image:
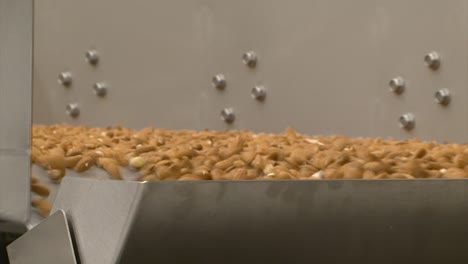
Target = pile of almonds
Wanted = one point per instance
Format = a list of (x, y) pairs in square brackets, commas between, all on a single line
[(158, 154)]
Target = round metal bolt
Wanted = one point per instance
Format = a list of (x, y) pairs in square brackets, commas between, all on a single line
[(407, 121), (65, 78), (100, 89), (397, 85), (219, 81), (443, 97), (259, 93), (250, 59), (227, 115), (92, 56), (432, 60), (73, 110)]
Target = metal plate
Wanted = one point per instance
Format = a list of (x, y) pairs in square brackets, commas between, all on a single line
[(15, 200), (326, 64), (43, 176), (16, 33), (49, 242), (100, 212), (388, 221)]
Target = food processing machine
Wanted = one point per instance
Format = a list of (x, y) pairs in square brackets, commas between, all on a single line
[(361, 68)]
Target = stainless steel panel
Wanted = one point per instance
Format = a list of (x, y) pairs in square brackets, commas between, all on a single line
[(406, 34), (100, 213), (326, 64), (388, 221), (16, 33), (49, 242), (15, 200), (36, 218)]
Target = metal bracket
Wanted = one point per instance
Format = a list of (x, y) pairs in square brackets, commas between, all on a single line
[(48, 242), (16, 53)]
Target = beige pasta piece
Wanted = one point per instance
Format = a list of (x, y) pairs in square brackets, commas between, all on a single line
[(137, 162), (217, 174), (455, 173), (190, 177), (224, 164), (111, 166), (40, 189), (71, 162), (258, 162), (43, 205), (352, 173), (376, 167), (56, 174), (84, 164), (400, 176), (248, 157), (333, 174), (34, 179), (203, 172), (368, 174), (420, 153), (144, 149), (236, 174), (74, 151)]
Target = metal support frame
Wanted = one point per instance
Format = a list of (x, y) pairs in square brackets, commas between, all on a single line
[(48, 242), (16, 55)]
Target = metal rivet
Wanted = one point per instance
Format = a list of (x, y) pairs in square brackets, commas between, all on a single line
[(407, 121), (92, 56), (73, 110), (100, 89), (65, 78), (397, 85), (432, 60), (250, 59), (219, 81), (227, 115), (443, 97), (258, 92)]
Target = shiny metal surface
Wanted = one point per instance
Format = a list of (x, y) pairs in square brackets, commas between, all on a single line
[(100, 88), (65, 78), (92, 56), (73, 110), (407, 121), (219, 81), (228, 115), (388, 221), (101, 212), (443, 97), (397, 85), (16, 39), (14, 187), (316, 58), (433, 60), (49, 242), (258, 92), (250, 59)]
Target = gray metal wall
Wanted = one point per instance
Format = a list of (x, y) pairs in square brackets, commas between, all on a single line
[(325, 64), (16, 34)]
